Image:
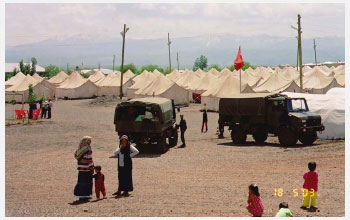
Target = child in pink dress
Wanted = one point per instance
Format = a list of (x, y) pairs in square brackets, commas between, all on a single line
[(255, 206)]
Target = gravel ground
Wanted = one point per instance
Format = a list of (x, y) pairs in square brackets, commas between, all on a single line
[(210, 177)]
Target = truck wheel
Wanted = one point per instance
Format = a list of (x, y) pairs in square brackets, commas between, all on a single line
[(308, 139), (161, 145), (287, 137), (238, 136), (173, 139), (260, 135)]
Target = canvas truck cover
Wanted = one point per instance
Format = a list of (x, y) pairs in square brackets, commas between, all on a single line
[(244, 105), (162, 105)]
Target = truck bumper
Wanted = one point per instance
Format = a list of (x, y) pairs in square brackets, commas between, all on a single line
[(311, 129)]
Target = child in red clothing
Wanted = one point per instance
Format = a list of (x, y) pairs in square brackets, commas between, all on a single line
[(255, 206), (99, 182), (310, 187)]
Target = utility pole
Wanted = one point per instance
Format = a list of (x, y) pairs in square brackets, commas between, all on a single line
[(99, 66), (169, 42), (297, 56), (67, 68), (113, 63), (122, 66), (82, 65), (298, 59), (177, 58), (300, 55), (315, 52)]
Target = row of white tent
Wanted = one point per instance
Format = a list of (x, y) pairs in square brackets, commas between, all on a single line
[(209, 85)]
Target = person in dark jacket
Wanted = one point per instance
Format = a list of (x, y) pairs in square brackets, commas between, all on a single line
[(183, 128), (125, 152), (205, 118), (49, 106)]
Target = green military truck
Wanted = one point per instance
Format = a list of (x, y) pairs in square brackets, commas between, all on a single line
[(263, 114), (148, 122)]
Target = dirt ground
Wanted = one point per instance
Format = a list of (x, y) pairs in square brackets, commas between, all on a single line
[(209, 177)]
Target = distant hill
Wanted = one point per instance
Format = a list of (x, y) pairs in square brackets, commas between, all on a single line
[(220, 49)]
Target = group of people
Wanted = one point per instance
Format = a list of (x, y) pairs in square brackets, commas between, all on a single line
[(46, 107), (86, 169), (310, 188)]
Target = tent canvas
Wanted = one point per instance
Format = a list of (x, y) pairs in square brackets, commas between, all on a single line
[(58, 79), (14, 80), (23, 88), (164, 87), (331, 107), (97, 76), (75, 86)]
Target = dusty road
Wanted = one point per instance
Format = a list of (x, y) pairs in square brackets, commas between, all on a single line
[(208, 178)]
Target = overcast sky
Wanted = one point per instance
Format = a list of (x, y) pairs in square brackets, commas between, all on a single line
[(28, 23)]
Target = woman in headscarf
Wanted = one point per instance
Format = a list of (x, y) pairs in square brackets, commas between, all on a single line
[(83, 189), (125, 152)]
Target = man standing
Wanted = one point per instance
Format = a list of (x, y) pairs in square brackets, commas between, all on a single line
[(183, 128), (49, 109), (205, 118)]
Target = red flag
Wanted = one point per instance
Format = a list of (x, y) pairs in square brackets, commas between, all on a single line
[(239, 60)]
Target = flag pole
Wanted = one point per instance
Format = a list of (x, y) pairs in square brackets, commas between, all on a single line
[(240, 82), (240, 77)]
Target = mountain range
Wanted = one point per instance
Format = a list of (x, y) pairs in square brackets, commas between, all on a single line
[(219, 49)]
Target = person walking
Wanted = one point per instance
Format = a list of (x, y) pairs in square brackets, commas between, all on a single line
[(83, 189), (205, 118), (183, 128), (125, 152)]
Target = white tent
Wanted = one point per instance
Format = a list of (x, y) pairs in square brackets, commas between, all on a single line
[(331, 107), (97, 76), (249, 78), (204, 83), (214, 71), (128, 75), (14, 80), (277, 83), (37, 77), (23, 88), (174, 75), (224, 88), (316, 82), (110, 85), (75, 86), (141, 81), (164, 87), (318, 70), (58, 79)]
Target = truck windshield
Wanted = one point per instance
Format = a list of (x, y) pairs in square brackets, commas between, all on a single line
[(297, 105)]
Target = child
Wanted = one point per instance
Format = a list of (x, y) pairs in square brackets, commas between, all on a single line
[(99, 182), (284, 210), (310, 187), (255, 206)]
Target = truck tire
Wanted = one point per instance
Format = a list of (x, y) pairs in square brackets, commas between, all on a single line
[(238, 136), (161, 144), (287, 137), (308, 139), (260, 135), (173, 139)]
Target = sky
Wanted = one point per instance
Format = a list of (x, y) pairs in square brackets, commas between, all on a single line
[(30, 23)]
